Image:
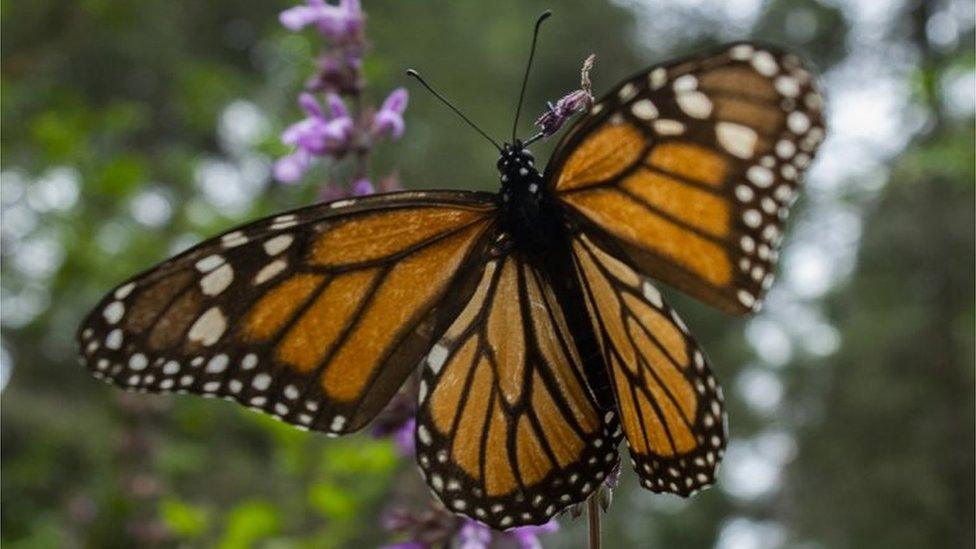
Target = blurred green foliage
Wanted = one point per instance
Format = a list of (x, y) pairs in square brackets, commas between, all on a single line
[(133, 129)]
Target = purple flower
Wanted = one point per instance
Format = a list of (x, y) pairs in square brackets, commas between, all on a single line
[(291, 168), (389, 119), (474, 535), (319, 134), (527, 536), (404, 437), (362, 187), (341, 23), (398, 420), (339, 72)]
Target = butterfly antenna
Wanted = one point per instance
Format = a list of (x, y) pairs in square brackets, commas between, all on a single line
[(528, 66), (415, 74)]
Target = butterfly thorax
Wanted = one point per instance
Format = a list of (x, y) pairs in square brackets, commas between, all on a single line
[(526, 209)]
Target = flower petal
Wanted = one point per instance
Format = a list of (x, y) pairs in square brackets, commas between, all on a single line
[(291, 168), (404, 435), (337, 107), (310, 105), (396, 101)]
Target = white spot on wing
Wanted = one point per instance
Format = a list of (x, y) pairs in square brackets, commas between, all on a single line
[(113, 312), (233, 239), (124, 291), (669, 127), (752, 218), (437, 357), (695, 104), (261, 381), (217, 280), (270, 271), (737, 139), (278, 244), (209, 327), (114, 339), (138, 362), (798, 122), (658, 78), (249, 361), (761, 176), (644, 109), (210, 263), (652, 295), (788, 86), (742, 52), (627, 92), (217, 364), (764, 63)]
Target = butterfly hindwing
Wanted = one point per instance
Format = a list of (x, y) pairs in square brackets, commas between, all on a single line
[(507, 430), (669, 403), (692, 168), (315, 316)]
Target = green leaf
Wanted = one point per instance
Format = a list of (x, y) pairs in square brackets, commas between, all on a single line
[(248, 523), (332, 501), (184, 519)]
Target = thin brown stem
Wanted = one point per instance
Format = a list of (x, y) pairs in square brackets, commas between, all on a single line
[(593, 521)]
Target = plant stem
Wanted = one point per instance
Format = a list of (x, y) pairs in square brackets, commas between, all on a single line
[(593, 521)]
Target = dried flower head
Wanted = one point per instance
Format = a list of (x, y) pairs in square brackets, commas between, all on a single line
[(570, 104)]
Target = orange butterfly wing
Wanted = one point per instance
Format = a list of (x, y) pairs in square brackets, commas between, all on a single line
[(508, 431), (314, 316), (670, 404), (691, 168)]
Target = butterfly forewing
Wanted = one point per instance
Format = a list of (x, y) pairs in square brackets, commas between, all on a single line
[(692, 168), (507, 430), (315, 316), (669, 403)]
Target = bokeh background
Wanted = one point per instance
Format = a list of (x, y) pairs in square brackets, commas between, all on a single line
[(133, 129)]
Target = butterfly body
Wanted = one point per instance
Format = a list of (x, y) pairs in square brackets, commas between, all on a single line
[(527, 211), (529, 317)]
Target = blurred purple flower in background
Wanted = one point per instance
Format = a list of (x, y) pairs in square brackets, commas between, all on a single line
[(527, 536), (334, 132), (474, 535), (319, 134), (389, 119), (340, 23)]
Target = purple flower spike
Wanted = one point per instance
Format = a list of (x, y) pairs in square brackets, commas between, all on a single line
[(341, 23), (527, 536), (389, 119)]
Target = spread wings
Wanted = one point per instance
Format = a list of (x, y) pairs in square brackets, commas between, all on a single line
[(691, 167), (508, 431), (669, 402), (315, 316)]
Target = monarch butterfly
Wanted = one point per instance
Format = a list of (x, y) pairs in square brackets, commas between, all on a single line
[(541, 340)]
